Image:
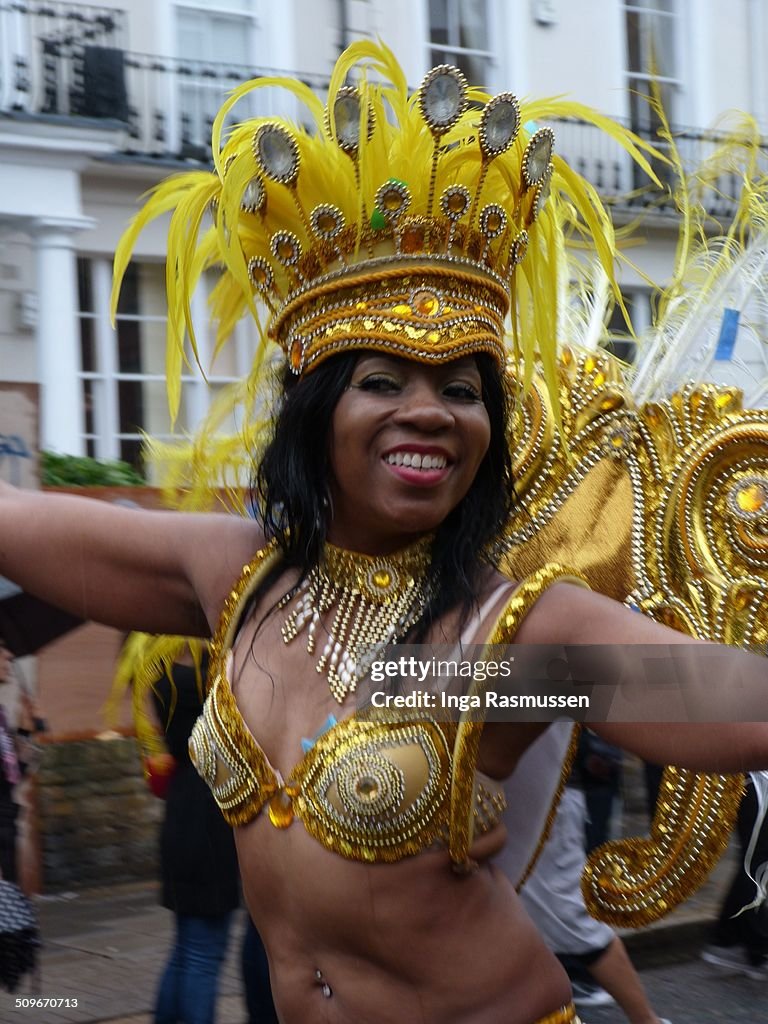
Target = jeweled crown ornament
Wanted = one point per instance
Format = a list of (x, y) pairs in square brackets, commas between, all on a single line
[(397, 222)]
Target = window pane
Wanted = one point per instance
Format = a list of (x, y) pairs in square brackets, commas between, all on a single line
[(227, 5), (128, 301), (634, 51), (140, 346), (84, 287), (668, 6), (438, 21), (151, 290), (225, 364), (130, 451), (218, 38), (88, 403), (473, 25), (87, 346), (650, 44), (143, 290), (144, 406), (476, 68)]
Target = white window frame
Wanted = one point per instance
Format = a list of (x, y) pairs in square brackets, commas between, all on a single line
[(105, 441), (675, 81), (451, 48), (205, 87)]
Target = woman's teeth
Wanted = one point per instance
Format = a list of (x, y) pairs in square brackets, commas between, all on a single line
[(417, 461)]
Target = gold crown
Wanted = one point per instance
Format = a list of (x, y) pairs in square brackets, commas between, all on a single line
[(402, 276), (412, 224)]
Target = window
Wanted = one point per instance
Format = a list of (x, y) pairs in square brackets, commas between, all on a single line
[(123, 370), (652, 33), (216, 42), (618, 339), (460, 34)]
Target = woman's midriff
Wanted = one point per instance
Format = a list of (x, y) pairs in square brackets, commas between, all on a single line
[(351, 942)]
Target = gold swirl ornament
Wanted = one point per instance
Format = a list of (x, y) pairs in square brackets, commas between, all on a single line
[(631, 882)]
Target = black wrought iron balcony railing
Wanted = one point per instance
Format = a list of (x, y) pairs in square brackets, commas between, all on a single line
[(172, 103), (43, 51), (70, 60), (626, 187)]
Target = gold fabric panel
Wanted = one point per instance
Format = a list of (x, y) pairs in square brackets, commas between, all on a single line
[(590, 532)]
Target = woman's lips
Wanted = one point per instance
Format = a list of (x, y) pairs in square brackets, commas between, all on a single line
[(418, 475)]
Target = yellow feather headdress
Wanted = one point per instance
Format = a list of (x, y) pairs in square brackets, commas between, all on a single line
[(427, 225)]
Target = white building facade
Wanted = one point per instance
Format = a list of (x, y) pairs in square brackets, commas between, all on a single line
[(99, 103)]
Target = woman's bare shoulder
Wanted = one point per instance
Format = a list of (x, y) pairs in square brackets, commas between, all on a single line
[(217, 554)]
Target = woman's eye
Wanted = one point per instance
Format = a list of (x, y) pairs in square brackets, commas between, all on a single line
[(466, 392), (378, 382)]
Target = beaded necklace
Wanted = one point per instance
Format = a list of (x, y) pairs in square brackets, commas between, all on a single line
[(378, 598)]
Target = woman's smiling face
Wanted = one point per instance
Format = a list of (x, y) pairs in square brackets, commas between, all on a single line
[(406, 443)]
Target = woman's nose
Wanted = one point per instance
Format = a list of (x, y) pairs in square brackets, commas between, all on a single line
[(425, 408)]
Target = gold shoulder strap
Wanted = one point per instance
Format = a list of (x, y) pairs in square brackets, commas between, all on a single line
[(251, 576), (470, 729)]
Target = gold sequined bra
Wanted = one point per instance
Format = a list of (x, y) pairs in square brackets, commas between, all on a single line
[(370, 788)]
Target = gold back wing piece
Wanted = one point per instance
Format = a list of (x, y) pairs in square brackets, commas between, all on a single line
[(666, 508)]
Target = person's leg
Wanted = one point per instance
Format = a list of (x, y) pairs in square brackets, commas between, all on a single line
[(748, 929), (256, 984), (614, 971), (203, 948), (597, 826), (8, 868), (167, 998)]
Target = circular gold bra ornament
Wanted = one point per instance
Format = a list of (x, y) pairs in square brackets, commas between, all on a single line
[(376, 789), (346, 117), (254, 196), (499, 124), (442, 98), (537, 156), (717, 503), (277, 153), (748, 499)]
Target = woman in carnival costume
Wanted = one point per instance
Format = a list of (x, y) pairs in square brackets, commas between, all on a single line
[(387, 247)]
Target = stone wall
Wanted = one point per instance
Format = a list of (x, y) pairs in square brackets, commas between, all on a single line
[(97, 821)]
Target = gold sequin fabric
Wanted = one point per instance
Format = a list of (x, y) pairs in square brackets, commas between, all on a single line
[(566, 1015), (426, 311)]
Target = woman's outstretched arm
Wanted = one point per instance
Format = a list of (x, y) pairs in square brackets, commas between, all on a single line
[(696, 691), (162, 572)]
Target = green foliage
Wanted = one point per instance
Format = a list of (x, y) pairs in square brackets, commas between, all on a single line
[(82, 471)]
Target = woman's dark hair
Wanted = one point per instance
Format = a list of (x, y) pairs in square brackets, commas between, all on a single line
[(292, 483)]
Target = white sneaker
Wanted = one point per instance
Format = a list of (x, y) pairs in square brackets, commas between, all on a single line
[(734, 960), (585, 994)]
